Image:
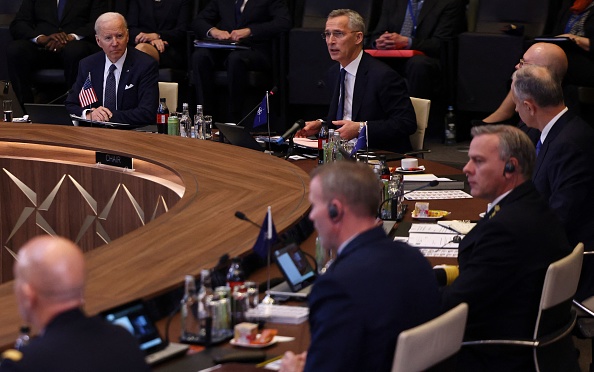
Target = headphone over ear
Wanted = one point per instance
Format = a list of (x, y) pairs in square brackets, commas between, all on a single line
[(509, 167), (332, 211)]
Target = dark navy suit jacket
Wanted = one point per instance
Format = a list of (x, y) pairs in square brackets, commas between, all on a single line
[(138, 89), (73, 342), (172, 24), (380, 98), (36, 17), (503, 261), (375, 289)]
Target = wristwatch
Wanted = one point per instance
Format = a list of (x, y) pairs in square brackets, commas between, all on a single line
[(362, 124)]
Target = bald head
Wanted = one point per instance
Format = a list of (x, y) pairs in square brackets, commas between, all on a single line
[(547, 55), (49, 278)]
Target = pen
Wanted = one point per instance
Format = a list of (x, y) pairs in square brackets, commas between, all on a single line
[(269, 361)]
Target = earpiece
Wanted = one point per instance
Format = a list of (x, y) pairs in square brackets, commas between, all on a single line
[(509, 167), (332, 211)]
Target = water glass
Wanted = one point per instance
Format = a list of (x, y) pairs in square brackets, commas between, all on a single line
[(207, 127), (252, 293), (7, 108)]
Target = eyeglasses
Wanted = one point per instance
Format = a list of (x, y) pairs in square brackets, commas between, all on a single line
[(337, 34), (523, 62)]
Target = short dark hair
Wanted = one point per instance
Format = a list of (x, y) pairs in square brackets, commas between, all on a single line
[(513, 143), (538, 83), (356, 22), (353, 183)]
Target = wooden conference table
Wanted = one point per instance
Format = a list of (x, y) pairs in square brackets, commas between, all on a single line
[(141, 231), (461, 209)]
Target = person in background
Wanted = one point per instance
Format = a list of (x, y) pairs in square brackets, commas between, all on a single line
[(251, 23), (423, 25), (375, 288), (124, 80), (375, 96), (50, 34), (159, 29), (49, 286), (540, 54), (504, 258), (563, 174)]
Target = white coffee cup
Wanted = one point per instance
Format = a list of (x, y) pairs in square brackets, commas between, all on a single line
[(408, 163)]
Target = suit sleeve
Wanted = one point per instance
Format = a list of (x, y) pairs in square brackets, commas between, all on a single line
[(97, 7), (177, 34), (400, 120), (23, 25), (208, 18), (147, 100), (449, 23), (280, 21), (335, 328)]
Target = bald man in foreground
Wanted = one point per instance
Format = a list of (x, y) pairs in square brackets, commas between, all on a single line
[(49, 287)]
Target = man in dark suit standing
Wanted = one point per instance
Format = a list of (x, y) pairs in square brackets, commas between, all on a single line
[(422, 25), (375, 288), (563, 174), (125, 80), (50, 33), (504, 258), (375, 96), (49, 287), (253, 23)]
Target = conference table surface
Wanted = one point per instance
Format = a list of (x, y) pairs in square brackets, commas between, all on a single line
[(217, 180)]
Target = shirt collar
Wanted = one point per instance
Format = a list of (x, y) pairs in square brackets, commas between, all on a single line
[(352, 67), (119, 63), (547, 128)]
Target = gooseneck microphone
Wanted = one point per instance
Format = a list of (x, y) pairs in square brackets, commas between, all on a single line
[(243, 217), (429, 184), (299, 124), (59, 97)]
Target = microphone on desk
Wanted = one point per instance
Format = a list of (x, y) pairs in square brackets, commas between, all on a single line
[(428, 184), (243, 217), (299, 124), (59, 97)]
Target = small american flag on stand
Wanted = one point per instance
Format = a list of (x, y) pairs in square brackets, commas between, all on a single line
[(87, 94)]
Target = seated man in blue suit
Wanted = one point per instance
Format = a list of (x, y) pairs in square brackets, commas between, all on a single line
[(563, 174), (504, 258), (370, 95), (376, 287), (124, 80)]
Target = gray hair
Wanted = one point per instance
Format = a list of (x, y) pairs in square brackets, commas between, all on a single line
[(109, 16), (356, 22), (353, 183), (513, 143), (539, 84)]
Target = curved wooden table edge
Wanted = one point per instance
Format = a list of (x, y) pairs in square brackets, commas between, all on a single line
[(218, 179)]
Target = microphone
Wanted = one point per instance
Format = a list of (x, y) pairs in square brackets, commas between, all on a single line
[(270, 93), (299, 124), (59, 97), (429, 184), (243, 217)]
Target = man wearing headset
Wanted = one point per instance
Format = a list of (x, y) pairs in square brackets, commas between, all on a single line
[(375, 288), (504, 258)]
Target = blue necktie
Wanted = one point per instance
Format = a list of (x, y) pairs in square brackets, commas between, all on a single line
[(340, 111), (61, 7), (110, 90), (538, 146), (238, 4), (410, 19)]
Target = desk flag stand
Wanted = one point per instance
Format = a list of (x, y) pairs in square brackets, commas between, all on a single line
[(268, 300)]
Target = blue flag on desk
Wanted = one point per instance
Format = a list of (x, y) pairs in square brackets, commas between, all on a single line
[(361, 141), (268, 230), (261, 117)]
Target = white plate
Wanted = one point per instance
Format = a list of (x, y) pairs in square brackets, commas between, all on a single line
[(421, 169), (254, 346), (429, 218)]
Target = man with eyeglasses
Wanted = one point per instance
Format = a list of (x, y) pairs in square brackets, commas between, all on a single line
[(124, 80), (368, 94), (540, 54)]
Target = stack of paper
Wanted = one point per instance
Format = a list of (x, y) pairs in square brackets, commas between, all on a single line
[(279, 313)]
